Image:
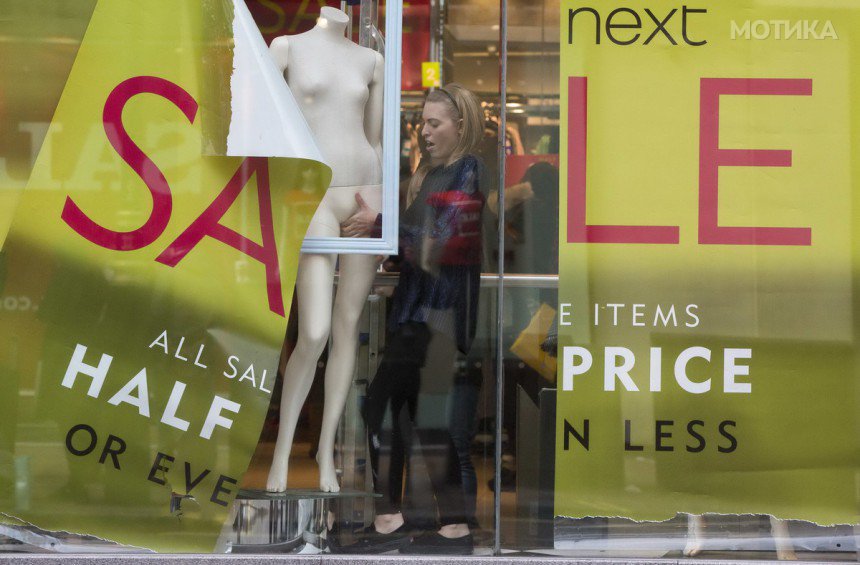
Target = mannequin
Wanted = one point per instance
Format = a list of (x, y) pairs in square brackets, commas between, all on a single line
[(338, 86)]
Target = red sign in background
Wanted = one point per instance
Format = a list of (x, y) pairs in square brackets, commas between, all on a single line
[(289, 17), (517, 165)]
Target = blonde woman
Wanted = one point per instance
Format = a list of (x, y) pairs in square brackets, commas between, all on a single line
[(434, 308)]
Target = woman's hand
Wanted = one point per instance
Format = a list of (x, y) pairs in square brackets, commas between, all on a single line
[(518, 194), (362, 222), (515, 195)]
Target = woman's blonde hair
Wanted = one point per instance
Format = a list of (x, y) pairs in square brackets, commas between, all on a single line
[(462, 105)]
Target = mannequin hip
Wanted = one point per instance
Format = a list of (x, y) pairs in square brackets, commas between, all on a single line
[(338, 204)]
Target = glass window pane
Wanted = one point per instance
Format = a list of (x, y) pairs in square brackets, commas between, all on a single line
[(624, 444)]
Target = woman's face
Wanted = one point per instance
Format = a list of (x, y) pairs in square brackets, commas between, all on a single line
[(441, 132)]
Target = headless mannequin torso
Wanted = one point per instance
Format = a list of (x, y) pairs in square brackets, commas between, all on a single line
[(338, 85)]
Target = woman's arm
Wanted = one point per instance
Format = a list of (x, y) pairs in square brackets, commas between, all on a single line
[(515, 195), (456, 212)]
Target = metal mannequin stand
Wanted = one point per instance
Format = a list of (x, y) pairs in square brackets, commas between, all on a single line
[(293, 522)]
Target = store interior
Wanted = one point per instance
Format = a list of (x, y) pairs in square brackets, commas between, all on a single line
[(507, 54)]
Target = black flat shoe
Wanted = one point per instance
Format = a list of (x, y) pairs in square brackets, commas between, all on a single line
[(372, 542), (432, 543)]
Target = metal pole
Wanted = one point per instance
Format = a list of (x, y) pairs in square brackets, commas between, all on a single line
[(500, 376), (437, 27), (347, 9), (367, 22)]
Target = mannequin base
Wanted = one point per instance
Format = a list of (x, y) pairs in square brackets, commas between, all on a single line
[(291, 522)]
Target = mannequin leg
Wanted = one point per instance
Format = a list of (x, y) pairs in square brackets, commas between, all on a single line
[(356, 277), (695, 527), (782, 540), (313, 285)]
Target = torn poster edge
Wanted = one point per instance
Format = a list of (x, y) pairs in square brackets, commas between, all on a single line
[(706, 514), (16, 522)]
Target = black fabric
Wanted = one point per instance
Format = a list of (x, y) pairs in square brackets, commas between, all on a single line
[(398, 384), (431, 543), (372, 542), (440, 236)]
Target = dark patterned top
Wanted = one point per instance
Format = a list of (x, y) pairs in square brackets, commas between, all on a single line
[(440, 239)]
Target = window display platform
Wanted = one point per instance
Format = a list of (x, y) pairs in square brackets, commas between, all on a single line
[(292, 522)]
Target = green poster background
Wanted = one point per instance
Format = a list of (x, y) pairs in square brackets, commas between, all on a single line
[(205, 323), (794, 307)]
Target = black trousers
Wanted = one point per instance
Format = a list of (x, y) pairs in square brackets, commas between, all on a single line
[(397, 385)]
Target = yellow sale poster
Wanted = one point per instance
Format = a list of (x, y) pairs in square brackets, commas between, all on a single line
[(157, 273), (708, 260)]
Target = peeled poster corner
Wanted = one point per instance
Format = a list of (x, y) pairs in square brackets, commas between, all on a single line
[(265, 118), (157, 278)]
